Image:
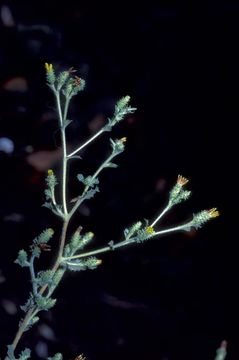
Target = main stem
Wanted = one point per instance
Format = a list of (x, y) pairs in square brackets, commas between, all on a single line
[(34, 310), (63, 139)]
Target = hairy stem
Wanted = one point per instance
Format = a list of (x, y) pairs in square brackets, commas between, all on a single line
[(33, 277), (33, 311), (160, 215), (123, 243), (29, 315), (64, 159), (86, 143), (81, 198)]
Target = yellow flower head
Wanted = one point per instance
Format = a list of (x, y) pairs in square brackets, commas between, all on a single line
[(48, 67), (50, 172), (123, 139), (213, 213), (149, 230), (98, 262), (182, 180)]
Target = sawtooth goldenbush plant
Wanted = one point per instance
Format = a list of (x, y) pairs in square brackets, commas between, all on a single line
[(72, 254)]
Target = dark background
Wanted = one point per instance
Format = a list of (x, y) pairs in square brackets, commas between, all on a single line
[(171, 298)]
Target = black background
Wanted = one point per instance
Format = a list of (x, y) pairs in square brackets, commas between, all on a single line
[(171, 298)]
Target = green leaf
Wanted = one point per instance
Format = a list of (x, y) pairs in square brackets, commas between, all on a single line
[(111, 165), (44, 237), (57, 356), (44, 277), (45, 303), (10, 352), (91, 193), (88, 181), (29, 303), (81, 265), (48, 194), (22, 259), (25, 354)]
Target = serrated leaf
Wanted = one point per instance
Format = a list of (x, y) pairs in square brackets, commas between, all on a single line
[(48, 194), (22, 259), (32, 322), (28, 304), (10, 352), (91, 193), (45, 303), (81, 265), (25, 354), (48, 205), (44, 277), (57, 356)]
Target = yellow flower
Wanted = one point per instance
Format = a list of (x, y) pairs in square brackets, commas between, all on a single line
[(50, 172), (48, 67), (98, 262), (213, 213), (182, 180), (149, 230), (123, 139)]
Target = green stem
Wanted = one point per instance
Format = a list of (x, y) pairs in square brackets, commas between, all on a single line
[(64, 160), (33, 311), (29, 315), (123, 243), (86, 143), (33, 277), (81, 198), (160, 215)]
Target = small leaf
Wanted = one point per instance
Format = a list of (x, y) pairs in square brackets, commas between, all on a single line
[(29, 303), (25, 354), (48, 205), (44, 277), (75, 157), (48, 194), (57, 356), (22, 259), (91, 193), (111, 165), (111, 244), (81, 265), (81, 178), (45, 303), (10, 352)]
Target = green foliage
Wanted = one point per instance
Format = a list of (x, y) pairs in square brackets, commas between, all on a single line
[(57, 356), (222, 351), (122, 109), (129, 232), (84, 264), (117, 146), (25, 354), (64, 86), (45, 303), (45, 277), (29, 303), (178, 195), (88, 181), (44, 237), (22, 259)]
